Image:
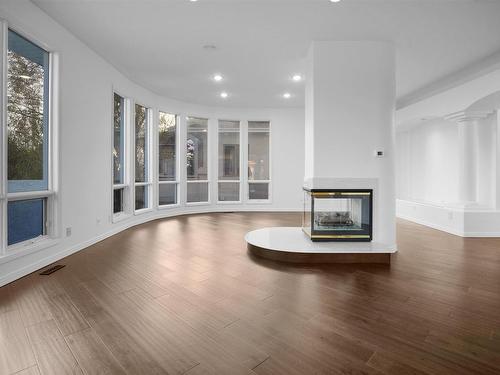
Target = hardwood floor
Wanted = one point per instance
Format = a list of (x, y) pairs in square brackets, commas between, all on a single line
[(182, 296)]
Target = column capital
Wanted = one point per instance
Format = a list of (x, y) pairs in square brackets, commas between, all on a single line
[(467, 116)]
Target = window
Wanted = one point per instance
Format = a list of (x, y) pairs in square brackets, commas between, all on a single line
[(119, 185), (27, 141), (229, 161), (142, 158), (27, 220), (197, 160), (258, 160), (167, 159)]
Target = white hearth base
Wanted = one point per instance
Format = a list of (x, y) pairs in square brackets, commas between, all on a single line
[(291, 244)]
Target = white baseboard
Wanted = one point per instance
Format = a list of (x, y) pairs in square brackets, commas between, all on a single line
[(481, 234), (429, 224), (463, 223)]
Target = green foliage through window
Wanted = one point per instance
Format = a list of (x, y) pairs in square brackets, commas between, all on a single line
[(26, 114)]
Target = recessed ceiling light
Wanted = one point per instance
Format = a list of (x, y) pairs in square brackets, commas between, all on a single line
[(224, 95), (287, 95), (331, 1), (297, 78), (217, 78)]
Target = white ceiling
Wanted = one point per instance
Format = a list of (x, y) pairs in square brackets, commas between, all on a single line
[(261, 43)]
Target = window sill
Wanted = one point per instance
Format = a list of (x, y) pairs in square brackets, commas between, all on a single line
[(143, 211), (169, 206), (117, 218), (194, 204), (28, 247), (259, 201)]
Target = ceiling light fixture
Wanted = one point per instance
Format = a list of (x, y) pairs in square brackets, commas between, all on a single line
[(224, 95), (217, 78), (331, 1), (297, 78), (287, 95)]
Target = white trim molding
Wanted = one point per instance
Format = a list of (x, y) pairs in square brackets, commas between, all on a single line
[(468, 116), (478, 222)]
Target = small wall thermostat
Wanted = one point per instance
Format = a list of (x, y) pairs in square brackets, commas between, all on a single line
[(379, 153)]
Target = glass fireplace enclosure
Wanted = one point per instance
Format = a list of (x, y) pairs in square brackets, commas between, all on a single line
[(338, 215)]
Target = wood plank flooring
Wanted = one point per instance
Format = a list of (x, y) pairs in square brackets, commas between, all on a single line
[(182, 296)]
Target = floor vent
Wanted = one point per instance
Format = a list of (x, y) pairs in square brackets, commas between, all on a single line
[(52, 269)]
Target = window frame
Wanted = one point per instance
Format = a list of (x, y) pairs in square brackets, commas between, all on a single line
[(207, 162), (51, 206), (269, 200), (148, 165), (125, 185), (177, 181), (241, 164)]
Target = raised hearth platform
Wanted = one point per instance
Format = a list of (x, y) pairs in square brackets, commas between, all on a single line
[(291, 244)]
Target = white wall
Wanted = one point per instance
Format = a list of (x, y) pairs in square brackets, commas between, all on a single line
[(86, 84), (427, 162)]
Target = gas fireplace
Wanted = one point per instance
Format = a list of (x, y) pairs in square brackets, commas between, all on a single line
[(338, 215)]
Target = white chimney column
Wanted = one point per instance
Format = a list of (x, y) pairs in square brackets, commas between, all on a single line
[(468, 142), (349, 131)]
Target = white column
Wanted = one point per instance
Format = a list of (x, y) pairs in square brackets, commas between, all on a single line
[(496, 134), (467, 154), (467, 172)]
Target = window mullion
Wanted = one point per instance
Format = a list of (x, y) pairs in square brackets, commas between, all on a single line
[(168, 182), (182, 159), (12, 197), (3, 136), (244, 161), (129, 142), (143, 183), (155, 175), (54, 209)]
